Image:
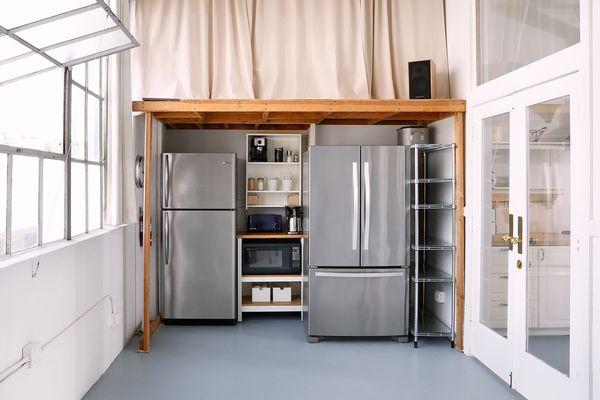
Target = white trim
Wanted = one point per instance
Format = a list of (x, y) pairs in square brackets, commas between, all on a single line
[(35, 253)]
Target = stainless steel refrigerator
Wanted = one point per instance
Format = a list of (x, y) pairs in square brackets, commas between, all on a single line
[(198, 237), (358, 249)]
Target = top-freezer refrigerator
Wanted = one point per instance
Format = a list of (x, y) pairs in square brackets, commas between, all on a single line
[(198, 237), (356, 212)]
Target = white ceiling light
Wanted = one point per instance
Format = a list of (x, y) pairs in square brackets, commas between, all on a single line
[(39, 35)]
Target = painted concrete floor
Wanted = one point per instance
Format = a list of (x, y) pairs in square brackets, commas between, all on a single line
[(268, 357)]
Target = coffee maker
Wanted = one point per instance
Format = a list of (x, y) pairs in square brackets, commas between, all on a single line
[(294, 219), (258, 149)]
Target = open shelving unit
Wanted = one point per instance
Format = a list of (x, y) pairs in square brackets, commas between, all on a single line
[(245, 304), (271, 169), (425, 276)]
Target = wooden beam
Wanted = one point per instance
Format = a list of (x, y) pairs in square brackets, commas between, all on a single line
[(155, 325), (261, 106), (144, 345), (459, 137)]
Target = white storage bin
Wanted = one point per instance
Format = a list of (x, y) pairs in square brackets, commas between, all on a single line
[(282, 294), (261, 294)]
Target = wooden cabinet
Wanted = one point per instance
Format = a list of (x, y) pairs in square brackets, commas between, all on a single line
[(553, 281)]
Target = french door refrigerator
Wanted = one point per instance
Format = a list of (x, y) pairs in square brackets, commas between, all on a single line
[(358, 256), (198, 237)]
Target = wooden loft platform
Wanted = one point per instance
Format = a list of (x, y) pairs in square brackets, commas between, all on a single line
[(296, 114), (299, 115)]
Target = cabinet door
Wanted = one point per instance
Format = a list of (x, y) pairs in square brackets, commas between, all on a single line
[(554, 287)]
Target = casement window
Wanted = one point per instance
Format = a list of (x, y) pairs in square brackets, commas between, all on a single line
[(52, 177)]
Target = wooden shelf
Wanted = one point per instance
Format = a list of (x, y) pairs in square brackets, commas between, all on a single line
[(298, 114), (271, 278), (268, 235), (271, 163), (249, 306), (537, 239), (273, 191)]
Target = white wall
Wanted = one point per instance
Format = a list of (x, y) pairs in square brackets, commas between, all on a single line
[(72, 277)]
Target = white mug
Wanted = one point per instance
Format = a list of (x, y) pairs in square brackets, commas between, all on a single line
[(272, 183)]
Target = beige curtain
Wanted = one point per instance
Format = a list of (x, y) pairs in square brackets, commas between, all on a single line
[(284, 48), (120, 185)]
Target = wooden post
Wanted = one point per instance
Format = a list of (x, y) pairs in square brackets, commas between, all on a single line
[(144, 344), (459, 136)]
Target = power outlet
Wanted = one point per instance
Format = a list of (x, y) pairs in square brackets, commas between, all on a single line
[(114, 320), (33, 352), (439, 296)]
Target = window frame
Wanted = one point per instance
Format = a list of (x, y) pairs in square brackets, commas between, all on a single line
[(65, 157)]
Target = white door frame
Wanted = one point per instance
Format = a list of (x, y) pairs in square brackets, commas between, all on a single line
[(488, 346), (531, 376)]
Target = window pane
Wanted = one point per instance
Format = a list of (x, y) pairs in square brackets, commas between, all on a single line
[(12, 17), (24, 228), (494, 270), (79, 74), (2, 203), (94, 204), (549, 229), (512, 34), (77, 123), (45, 130), (93, 128), (94, 76), (77, 198), (53, 227)]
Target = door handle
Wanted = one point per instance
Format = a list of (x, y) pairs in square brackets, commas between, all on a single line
[(360, 274), (354, 206), (367, 173), (508, 238), (166, 174), (167, 246), (520, 235)]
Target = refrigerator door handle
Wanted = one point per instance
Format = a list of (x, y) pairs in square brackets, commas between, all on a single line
[(360, 274), (166, 181), (367, 173), (354, 206), (167, 247)]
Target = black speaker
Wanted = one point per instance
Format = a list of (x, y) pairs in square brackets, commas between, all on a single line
[(421, 79)]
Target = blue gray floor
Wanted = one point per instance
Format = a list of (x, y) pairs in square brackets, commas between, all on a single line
[(267, 357)]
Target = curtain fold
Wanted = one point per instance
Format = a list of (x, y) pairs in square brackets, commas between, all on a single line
[(120, 149), (267, 49)]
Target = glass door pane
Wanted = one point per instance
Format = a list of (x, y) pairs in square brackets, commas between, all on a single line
[(494, 270), (549, 227), (512, 34)]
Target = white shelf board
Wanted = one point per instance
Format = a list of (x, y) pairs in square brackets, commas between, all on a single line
[(271, 278), (273, 191), (271, 163)]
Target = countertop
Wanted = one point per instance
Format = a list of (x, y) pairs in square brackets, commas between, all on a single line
[(538, 239), (267, 235)]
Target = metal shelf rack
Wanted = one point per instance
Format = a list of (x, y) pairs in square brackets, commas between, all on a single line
[(424, 322)]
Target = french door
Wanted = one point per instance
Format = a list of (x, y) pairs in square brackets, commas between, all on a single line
[(530, 317)]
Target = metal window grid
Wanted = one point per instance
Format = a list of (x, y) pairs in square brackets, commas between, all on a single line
[(65, 156)]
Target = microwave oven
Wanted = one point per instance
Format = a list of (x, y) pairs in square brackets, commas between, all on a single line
[(260, 257)]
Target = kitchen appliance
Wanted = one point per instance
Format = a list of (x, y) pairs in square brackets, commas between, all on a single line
[(357, 241), (260, 257), (198, 270), (265, 223), (422, 80), (278, 154), (408, 135), (294, 219), (258, 149)]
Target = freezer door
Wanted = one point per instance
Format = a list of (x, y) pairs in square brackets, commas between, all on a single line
[(199, 265), (385, 206), (358, 302), (334, 206), (198, 181)]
